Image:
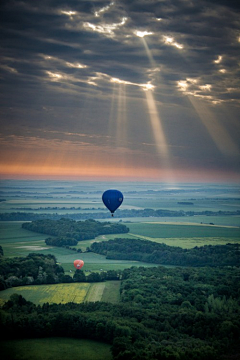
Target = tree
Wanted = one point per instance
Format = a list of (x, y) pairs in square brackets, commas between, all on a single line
[(94, 277), (79, 276)]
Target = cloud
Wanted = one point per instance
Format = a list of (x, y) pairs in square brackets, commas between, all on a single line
[(71, 67)]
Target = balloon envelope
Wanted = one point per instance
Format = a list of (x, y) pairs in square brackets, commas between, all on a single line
[(112, 199), (78, 264)]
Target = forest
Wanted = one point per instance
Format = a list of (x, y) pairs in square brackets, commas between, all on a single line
[(164, 313), (187, 312), (70, 230), (159, 253)]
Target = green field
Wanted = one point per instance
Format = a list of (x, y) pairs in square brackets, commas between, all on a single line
[(54, 348), (64, 197), (160, 230), (16, 241), (63, 293), (185, 235)]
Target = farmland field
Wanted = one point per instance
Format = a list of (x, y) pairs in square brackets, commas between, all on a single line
[(62, 197), (185, 235), (159, 230), (79, 197), (64, 293), (54, 348)]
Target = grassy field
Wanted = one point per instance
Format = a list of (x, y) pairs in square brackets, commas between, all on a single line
[(54, 348), (161, 230), (64, 293), (16, 241)]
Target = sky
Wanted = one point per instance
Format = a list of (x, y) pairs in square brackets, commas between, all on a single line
[(123, 90)]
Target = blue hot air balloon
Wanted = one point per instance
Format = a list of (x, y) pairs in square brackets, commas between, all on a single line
[(112, 199)]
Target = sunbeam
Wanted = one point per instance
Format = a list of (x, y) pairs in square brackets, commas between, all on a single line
[(159, 136), (150, 57), (157, 129), (111, 122), (218, 133), (155, 119), (121, 117), (117, 122), (117, 118)]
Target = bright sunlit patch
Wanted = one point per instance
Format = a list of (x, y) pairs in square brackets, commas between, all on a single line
[(94, 80), (54, 76), (47, 57), (147, 87), (106, 29), (60, 61), (218, 60), (119, 81), (206, 87), (192, 87), (141, 34), (192, 80), (68, 13), (183, 85), (170, 41), (104, 9), (76, 65), (179, 46)]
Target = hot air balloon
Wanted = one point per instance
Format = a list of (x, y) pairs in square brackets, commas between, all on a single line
[(78, 264), (112, 199)]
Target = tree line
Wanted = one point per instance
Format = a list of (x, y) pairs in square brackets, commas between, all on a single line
[(69, 232), (164, 313), (152, 252), (37, 269), (30, 216)]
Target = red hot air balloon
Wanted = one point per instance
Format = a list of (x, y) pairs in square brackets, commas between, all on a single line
[(78, 264)]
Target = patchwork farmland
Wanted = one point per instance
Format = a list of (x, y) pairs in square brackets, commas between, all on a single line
[(64, 293)]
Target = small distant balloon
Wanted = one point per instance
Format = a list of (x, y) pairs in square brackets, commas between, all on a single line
[(112, 199), (78, 264)]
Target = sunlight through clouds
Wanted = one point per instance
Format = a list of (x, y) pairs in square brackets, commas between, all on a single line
[(218, 133), (155, 120), (54, 76), (193, 87), (157, 129), (148, 52), (103, 10), (125, 80), (141, 34), (170, 41), (103, 28), (218, 60), (68, 13)]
